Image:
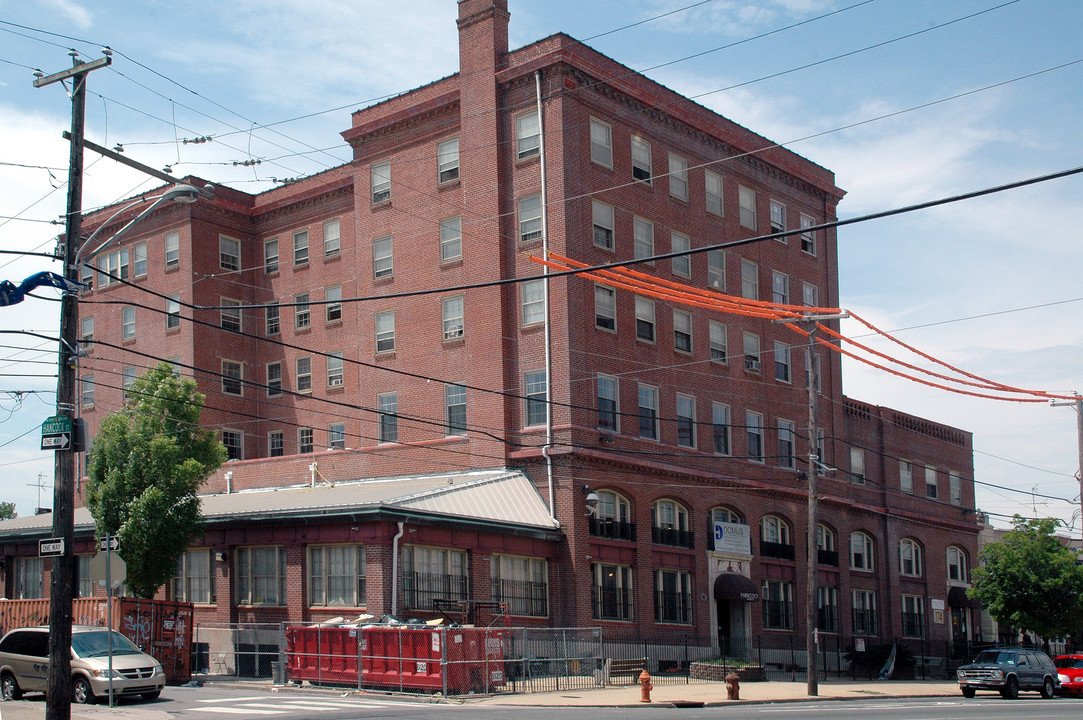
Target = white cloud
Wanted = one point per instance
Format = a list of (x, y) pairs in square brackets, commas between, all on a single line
[(74, 12)]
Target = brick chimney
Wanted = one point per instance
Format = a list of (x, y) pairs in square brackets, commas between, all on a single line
[(483, 34)]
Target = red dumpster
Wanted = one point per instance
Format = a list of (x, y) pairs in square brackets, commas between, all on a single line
[(452, 660), (322, 655)]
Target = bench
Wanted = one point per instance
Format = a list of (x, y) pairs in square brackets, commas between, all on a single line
[(625, 667)]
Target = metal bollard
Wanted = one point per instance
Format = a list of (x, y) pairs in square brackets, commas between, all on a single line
[(645, 686)]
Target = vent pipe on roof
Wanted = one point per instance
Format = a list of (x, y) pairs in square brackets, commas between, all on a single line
[(395, 572)]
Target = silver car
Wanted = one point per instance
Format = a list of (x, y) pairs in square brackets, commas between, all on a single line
[(24, 665)]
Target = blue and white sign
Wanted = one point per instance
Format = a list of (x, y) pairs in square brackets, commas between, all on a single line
[(732, 538)]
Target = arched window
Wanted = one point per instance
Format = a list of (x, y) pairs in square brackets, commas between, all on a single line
[(669, 523), (861, 552), (612, 517), (775, 538), (825, 538), (909, 558), (727, 538), (726, 515), (957, 565)]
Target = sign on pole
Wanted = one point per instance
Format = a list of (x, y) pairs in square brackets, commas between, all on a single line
[(109, 542), (56, 433), (52, 547)]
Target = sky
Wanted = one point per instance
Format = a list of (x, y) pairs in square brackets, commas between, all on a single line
[(905, 100)]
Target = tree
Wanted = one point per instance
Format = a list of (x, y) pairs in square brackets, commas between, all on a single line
[(1030, 580), (7, 511), (146, 466)]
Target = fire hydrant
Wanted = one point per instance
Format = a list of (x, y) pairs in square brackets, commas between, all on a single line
[(645, 686), (733, 686)]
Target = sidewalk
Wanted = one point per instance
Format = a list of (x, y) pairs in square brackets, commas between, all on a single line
[(677, 695)]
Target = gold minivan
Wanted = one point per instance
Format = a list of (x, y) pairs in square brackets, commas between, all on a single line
[(24, 665)]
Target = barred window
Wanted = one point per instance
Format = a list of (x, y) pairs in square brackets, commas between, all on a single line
[(433, 574), (522, 583)]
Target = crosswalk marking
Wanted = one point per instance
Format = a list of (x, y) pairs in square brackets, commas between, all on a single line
[(260, 705)]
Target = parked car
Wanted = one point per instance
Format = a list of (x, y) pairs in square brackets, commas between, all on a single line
[(1070, 669), (24, 664), (1009, 670)]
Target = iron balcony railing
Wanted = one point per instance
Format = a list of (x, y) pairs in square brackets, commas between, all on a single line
[(611, 528)]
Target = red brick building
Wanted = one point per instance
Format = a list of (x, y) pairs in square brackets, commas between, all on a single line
[(382, 325)]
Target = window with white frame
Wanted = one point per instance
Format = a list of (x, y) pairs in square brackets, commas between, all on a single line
[(86, 332), (229, 253), (532, 302), (433, 574), (678, 177), (383, 260), (827, 609), (825, 538), (712, 185), (336, 575), (644, 319), (932, 488), (233, 440), (128, 377), (810, 295), (336, 436), (861, 552), (527, 135), (681, 265), (719, 338), (28, 578), (910, 558), (726, 515), (611, 592), (335, 374), (260, 575), (957, 566), (385, 331), (447, 160), (754, 425), (775, 530), (864, 612), (139, 260), (955, 488), (172, 250), (780, 288), (536, 405), (451, 310), (86, 391), (913, 616), (608, 398), (270, 256), (302, 314), (300, 248), (380, 177), (230, 314), (782, 362), (530, 218), (304, 374), (601, 143), (388, 406), (193, 580), (332, 296), (605, 308), (643, 238), (682, 331), (778, 219), (127, 322), (777, 604), (86, 274), (641, 159), (332, 238), (720, 428), (857, 465), (752, 351), (84, 586), (113, 267), (672, 597), (305, 440), (750, 280), (451, 239), (786, 457), (808, 237), (522, 583), (603, 222), (716, 270), (686, 420), (274, 379), (276, 443), (172, 312), (455, 409), (906, 476), (746, 198), (233, 378), (648, 412), (272, 320)]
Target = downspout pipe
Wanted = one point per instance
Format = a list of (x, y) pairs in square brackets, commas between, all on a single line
[(545, 303), (395, 571)]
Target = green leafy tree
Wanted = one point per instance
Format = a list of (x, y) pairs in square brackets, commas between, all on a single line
[(146, 466), (7, 511), (1030, 580)]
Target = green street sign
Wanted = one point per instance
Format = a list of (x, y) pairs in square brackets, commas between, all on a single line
[(56, 425)]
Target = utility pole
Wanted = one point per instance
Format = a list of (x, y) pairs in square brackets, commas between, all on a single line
[(62, 583), (1078, 403), (814, 462)]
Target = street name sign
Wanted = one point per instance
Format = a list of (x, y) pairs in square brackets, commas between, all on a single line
[(56, 433)]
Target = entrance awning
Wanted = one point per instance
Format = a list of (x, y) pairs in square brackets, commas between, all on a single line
[(957, 598), (731, 586)]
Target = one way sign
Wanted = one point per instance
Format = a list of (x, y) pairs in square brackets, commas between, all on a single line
[(109, 542)]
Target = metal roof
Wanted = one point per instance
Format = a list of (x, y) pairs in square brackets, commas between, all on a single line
[(500, 497)]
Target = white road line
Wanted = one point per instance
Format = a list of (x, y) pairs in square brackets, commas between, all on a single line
[(223, 710)]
